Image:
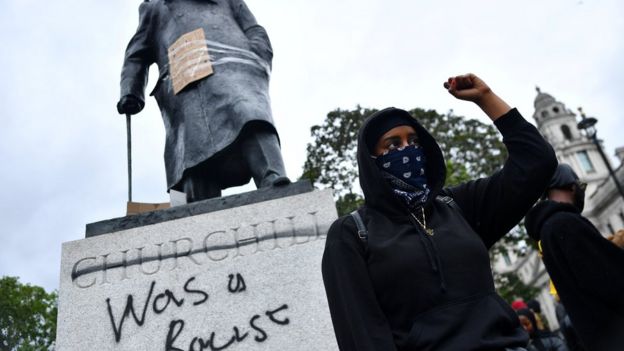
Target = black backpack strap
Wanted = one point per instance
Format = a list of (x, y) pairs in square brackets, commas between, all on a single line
[(446, 199), (362, 232), (449, 201)]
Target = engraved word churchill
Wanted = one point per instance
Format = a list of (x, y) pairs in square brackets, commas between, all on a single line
[(199, 249)]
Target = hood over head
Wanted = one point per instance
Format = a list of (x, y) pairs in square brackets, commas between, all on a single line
[(377, 192), (563, 178), (380, 126), (566, 178)]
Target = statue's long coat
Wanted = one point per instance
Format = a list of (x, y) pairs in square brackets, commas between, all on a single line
[(205, 118)]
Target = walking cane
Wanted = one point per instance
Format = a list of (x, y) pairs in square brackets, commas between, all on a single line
[(129, 137), (136, 207)]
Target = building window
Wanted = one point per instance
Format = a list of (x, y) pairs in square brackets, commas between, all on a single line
[(556, 109), (507, 259), (622, 217), (566, 132), (583, 157), (544, 114), (611, 231)]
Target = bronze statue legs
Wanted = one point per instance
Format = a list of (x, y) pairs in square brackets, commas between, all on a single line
[(260, 151)]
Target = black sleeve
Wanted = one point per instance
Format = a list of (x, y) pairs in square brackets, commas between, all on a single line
[(359, 323), (139, 56), (495, 204), (586, 270), (575, 252)]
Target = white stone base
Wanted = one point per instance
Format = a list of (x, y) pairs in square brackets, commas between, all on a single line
[(246, 278)]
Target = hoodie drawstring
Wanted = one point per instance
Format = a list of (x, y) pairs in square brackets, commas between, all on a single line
[(440, 271), (432, 252)]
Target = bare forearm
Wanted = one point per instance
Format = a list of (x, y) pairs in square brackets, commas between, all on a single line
[(493, 106)]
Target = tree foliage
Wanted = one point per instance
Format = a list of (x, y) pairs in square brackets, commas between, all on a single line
[(331, 157), (27, 316), (510, 287), (472, 149)]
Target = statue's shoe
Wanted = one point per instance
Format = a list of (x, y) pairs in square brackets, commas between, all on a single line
[(281, 181)]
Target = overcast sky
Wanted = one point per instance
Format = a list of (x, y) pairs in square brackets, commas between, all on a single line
[(63, 145)]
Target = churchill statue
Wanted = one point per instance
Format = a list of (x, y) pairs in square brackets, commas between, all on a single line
[(214, 63)]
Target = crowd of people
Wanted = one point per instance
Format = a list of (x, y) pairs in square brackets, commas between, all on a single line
[(410, 270)]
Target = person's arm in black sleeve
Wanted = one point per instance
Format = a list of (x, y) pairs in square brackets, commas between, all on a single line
[(587, 272), (570, 244), (495, 204), (139, 56), (359, 323)]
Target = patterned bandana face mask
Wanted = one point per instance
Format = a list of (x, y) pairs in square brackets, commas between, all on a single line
[(404, 169)]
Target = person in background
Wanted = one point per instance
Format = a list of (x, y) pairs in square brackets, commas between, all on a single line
[(586, 268), (535, 306), (410, 269), (540, 340)]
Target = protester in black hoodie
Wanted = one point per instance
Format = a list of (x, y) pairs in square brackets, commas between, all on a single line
[(541, 340), (423, 281), (586, 268)]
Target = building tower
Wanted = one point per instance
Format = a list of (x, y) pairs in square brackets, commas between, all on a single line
[(558, 126), (603, 205)]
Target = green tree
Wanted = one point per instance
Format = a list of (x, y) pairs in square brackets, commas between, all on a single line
[(331, 157), (27, 316), (510, 287)]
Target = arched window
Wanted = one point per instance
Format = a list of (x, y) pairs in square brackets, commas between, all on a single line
[(586, 163), (566, 132), (544, 114)]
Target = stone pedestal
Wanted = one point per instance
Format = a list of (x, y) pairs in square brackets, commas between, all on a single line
[(239, 278)]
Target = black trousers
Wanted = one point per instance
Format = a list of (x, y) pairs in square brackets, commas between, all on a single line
[(261, 153)]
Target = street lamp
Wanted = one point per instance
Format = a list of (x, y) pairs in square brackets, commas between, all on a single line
[(587, 125)]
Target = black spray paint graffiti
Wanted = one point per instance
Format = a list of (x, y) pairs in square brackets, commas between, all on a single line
[(199, 344), (157, 305), (240, 284), (199, 252), (161, 302)]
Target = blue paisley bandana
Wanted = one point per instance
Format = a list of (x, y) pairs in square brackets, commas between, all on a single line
[(404, 169)]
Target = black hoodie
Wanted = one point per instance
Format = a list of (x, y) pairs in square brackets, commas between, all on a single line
[(587, 270), (406, 290)]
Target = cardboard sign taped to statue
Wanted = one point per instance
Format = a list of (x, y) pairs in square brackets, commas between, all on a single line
[(189, 60)]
